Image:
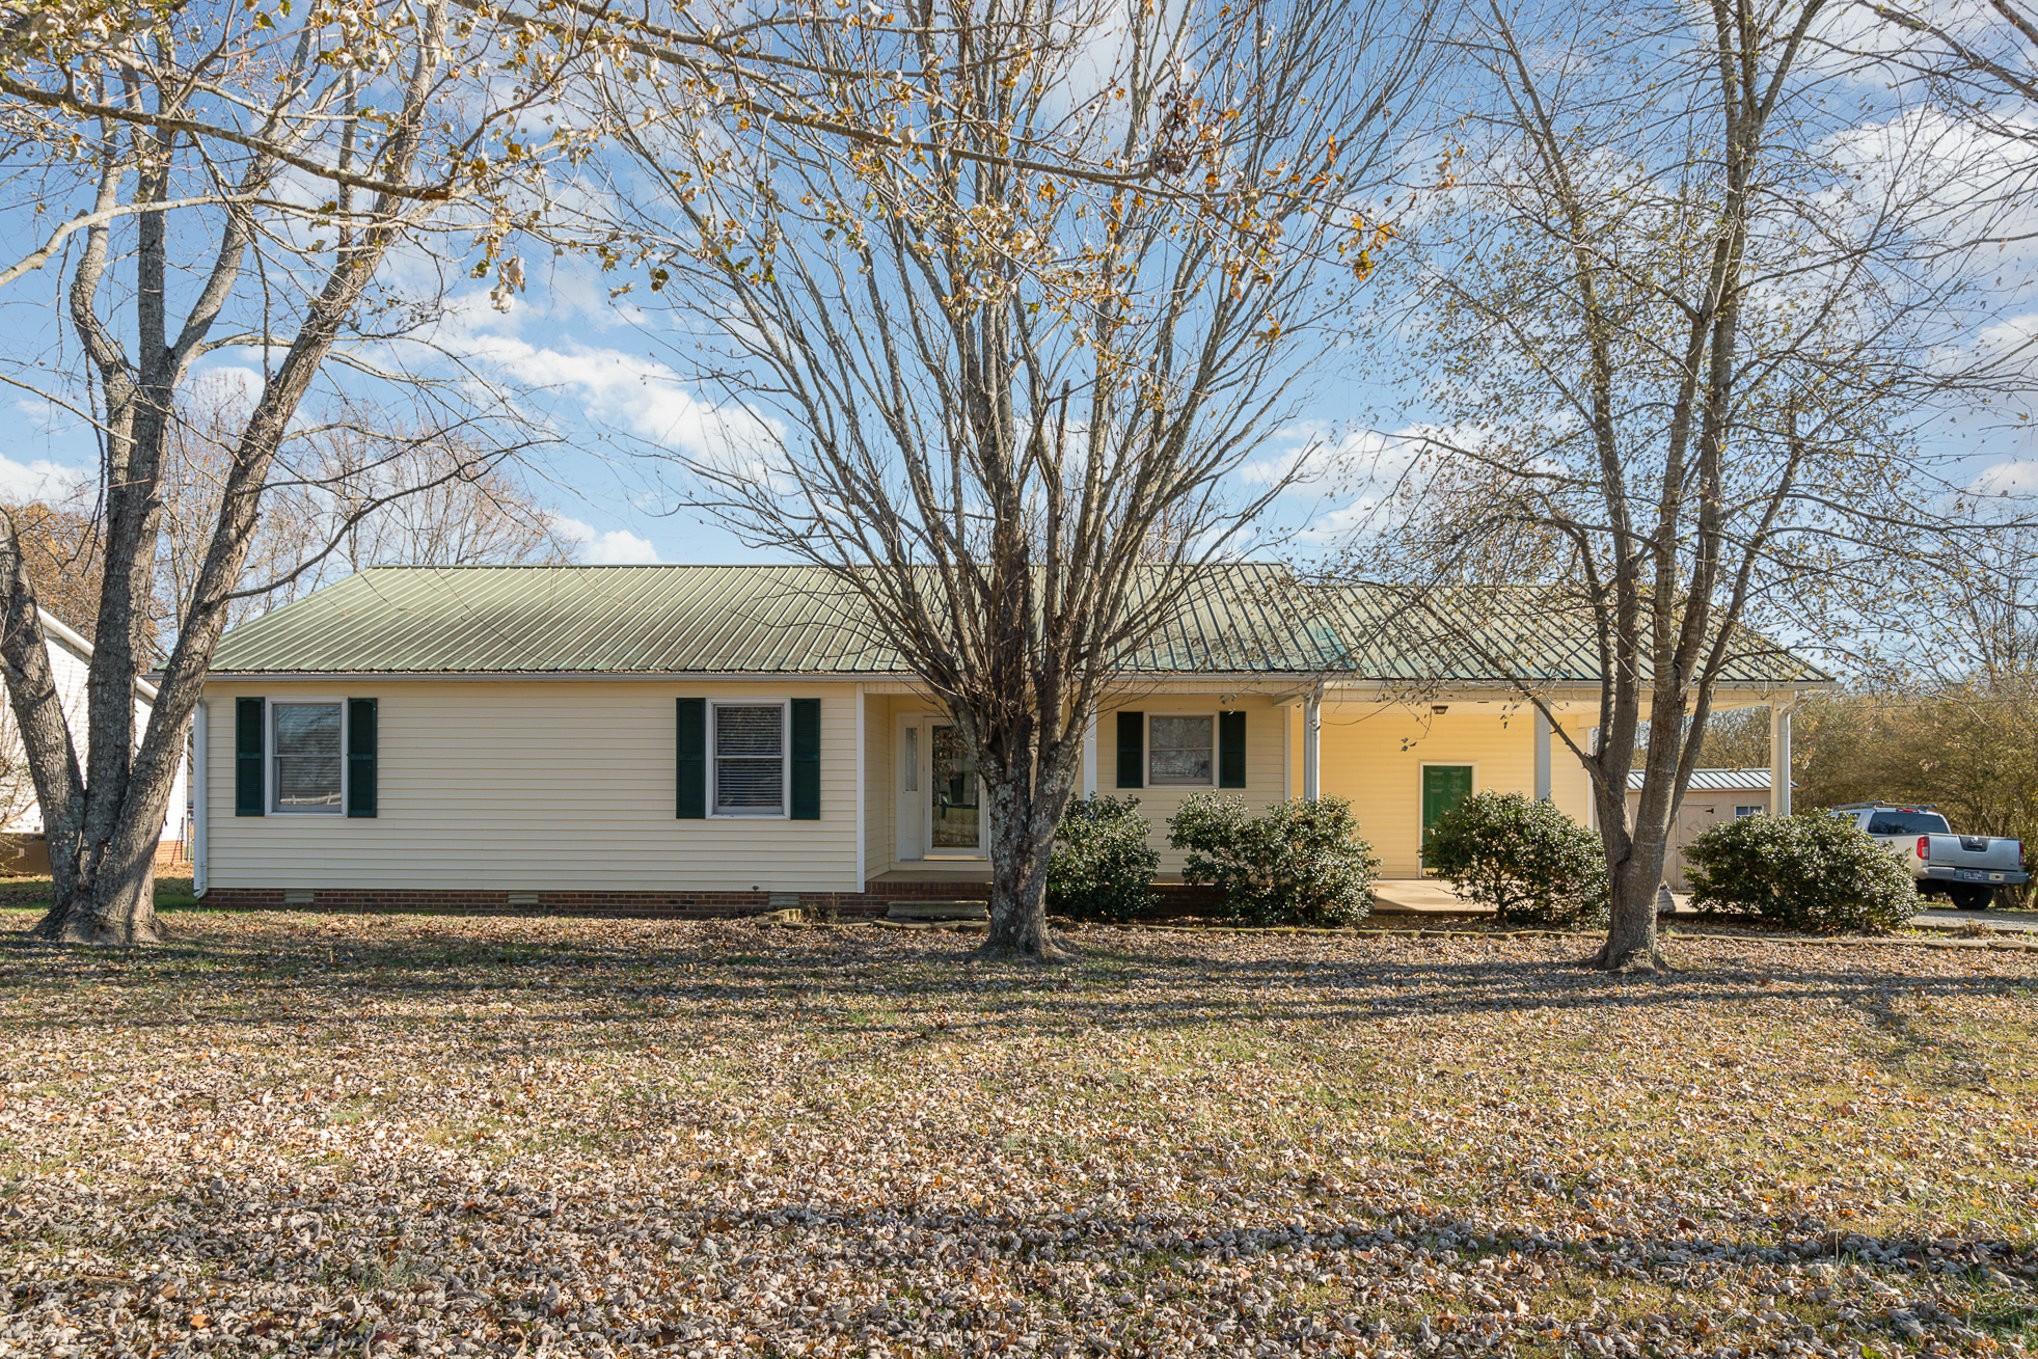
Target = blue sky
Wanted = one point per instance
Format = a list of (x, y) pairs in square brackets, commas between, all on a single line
[(609, 381)]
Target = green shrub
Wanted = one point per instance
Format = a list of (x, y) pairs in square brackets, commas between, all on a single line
[(1101, 866), (1297, 863), (1807, 872), (1529, 862)]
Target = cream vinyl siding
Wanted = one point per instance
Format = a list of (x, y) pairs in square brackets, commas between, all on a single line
[(527, 785), (1263, 764), (1373, 754)]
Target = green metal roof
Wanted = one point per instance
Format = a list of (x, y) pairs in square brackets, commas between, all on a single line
[(734, 620)]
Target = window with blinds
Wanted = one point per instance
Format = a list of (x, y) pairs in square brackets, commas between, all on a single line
[(1181, 751), (305, 748), (750, 763)]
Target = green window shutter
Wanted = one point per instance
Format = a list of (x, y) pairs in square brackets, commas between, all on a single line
[(806, 759), (1231, 750), (248, 781), (361, 757), (1132, 750), (693, 759)]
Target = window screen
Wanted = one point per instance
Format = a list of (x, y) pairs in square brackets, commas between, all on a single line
[(750, 759), (305, 745), (1179, 750)]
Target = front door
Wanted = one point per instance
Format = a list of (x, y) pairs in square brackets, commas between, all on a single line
[(955, 821), (1444, 786)]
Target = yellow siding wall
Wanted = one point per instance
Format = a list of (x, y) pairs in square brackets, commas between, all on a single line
[(1373, 754), (521, 785), (1263, 759)]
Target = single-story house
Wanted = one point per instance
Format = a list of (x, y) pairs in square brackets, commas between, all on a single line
[(23, 848), (1713, 796), (714, 738)]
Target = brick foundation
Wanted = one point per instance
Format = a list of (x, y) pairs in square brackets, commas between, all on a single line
[(681, 905)]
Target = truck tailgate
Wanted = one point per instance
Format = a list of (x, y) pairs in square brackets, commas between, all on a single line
[(1996, 853)]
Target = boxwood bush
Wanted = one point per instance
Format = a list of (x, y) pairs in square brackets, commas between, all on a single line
[(1811, 871), (1101, 866), (1529, 862), (1297, 863)]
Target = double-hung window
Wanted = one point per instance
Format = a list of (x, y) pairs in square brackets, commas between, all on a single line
[(1181, 751), (749, 745), (307, 760)]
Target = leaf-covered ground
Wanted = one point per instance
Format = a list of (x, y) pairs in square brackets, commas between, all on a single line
[(360, 1135)]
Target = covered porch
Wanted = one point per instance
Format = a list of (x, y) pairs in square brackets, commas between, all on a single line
[(1401, 761)]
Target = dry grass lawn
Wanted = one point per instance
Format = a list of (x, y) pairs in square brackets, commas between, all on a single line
[(355, 1135)]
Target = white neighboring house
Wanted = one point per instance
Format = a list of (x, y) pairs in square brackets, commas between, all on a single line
[(24, 849)]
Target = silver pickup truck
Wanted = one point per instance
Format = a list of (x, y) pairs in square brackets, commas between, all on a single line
[(1967, 868)]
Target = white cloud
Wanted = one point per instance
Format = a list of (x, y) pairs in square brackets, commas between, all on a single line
[(40, 479), (1342, 524), (2015, 477), (647, 398), (1308, 451), (238, 384), (607, 547)]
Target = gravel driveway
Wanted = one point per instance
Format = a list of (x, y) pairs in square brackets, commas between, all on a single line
[(403, 1135)]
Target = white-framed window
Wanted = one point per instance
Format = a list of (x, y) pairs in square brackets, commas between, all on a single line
[(1181, 750), (1749, 809), (748, 772), (307, 758)]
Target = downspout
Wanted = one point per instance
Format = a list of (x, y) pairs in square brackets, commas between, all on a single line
[(198, 800)]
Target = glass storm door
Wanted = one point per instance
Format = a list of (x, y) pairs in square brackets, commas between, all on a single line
[(954, 819)]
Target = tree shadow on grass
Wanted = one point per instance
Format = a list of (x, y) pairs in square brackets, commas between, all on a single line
[(873, 982), (247, 1235)]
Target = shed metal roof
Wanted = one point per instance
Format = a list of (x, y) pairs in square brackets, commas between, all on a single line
[(734, 620), (1715, 781)]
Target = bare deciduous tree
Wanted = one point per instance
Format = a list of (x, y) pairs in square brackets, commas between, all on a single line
[(356, 488), (1689, 309), (1981, 59), (1001, 319), (229, 177)]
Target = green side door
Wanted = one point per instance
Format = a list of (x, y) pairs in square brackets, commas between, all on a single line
[(1444, 786)]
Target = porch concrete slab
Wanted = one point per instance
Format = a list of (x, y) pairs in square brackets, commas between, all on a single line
[(1420, 896)]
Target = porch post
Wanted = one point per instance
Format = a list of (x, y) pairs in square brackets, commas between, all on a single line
[(1542, 755), (1779, 756), (1090, 757), (1312, 726)]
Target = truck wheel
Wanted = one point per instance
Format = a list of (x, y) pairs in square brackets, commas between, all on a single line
[(1971, 898)]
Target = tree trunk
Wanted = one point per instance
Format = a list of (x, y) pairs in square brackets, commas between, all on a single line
[(1634, 856), (117, 907), (106, 893), (1631, 924), (1019, 858)]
